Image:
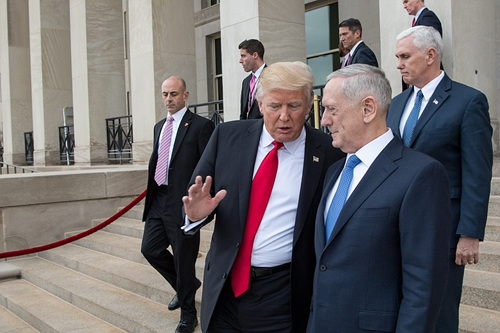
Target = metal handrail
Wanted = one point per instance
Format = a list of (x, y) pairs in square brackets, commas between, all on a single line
[(14, 167), (217, 115), (119, 138)]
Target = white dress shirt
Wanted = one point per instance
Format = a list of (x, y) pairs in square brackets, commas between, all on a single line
[(175, 127), (367, 154), (427, 92)]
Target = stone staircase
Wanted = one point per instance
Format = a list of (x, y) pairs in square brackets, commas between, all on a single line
[(102, 283)]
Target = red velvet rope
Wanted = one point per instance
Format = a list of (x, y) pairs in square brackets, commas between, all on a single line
[(75, 237)]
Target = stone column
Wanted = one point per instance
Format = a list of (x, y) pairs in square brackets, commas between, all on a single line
[(278, 24), (161, 45), (16, 83), (50, 75), (97, 62)]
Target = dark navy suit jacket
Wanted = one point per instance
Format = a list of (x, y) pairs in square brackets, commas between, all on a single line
[(455, 129), (254, 112), (384, 267), (363, 55), (429, 19)]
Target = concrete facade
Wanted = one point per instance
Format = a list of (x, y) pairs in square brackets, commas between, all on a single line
[(108, 59)]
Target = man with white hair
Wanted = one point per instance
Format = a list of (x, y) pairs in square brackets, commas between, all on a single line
[(450, 122)]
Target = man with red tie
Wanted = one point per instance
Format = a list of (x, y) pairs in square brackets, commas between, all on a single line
[(422, 15), (179, 141), (252, 60), (259, 270)]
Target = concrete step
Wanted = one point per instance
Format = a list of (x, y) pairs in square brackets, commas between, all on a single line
[(481, 289), (489, 257), (125, 247), (126, 310), (478, 320), (495, 186), (124, 226), (138, 278), (12, 323), (492, 232), (135, 212), (494, 206), (38, 310)]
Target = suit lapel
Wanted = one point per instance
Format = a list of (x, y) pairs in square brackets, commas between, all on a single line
[(394, 117), (381, 168), (313, 164), (437, 99), (248, 142), (181, 132)]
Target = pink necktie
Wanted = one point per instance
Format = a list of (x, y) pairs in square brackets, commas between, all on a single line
[(348, 59), (262, 186), (163, 154), (252, 92)]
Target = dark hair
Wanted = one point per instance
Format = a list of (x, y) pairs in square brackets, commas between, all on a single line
[(353, 25), (253, 45)]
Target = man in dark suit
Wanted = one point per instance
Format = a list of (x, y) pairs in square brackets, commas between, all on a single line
[(179, 141), (275, 292), (381, 257), (422, 15), (350, 32), (252, 60), (453, 126)]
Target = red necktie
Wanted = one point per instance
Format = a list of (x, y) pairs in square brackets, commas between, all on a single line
[(413, 22), (164, 153), (262, 186)]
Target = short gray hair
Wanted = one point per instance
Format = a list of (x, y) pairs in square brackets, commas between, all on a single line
[(291, 76), (424, 39), (362, 80)]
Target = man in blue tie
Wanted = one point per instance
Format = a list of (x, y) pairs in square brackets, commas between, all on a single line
[(453, 127), (383, 222)]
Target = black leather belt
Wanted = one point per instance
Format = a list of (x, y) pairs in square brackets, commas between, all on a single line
[(256, 272)]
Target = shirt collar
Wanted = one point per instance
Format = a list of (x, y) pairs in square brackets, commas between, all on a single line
[(259, 71), (369, 152), (419, 12), (354, 47), (179, 114), (429, 88)]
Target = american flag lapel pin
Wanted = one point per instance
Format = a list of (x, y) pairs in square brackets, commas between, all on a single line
[(435, 101), (186, 124), (315, 159)]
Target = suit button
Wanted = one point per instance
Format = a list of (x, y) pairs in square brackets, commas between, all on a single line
[(224, 276), (237, 245), (322, 268)]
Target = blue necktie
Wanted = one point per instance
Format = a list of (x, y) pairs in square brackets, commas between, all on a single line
[(412, 119), (340, 195)]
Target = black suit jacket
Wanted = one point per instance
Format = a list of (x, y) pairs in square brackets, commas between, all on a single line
[(192, 137), (429, 19), (363, 55), (254, 112), (455, 129), (229, 158), (384, 267)]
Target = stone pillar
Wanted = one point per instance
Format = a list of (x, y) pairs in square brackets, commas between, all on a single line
[(161, 44), (474, 51), (97, 62), (278, 24), (50, 75), (16, 83)]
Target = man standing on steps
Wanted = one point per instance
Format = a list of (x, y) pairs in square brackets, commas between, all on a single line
[(450, 122), (179, 141), (252, 60)]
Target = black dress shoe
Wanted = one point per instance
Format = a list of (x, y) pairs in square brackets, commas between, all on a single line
[(174, 303), (186, 326)]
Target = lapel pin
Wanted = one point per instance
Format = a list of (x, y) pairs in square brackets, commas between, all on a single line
[(435, 101), (185, 125), (315, 159)]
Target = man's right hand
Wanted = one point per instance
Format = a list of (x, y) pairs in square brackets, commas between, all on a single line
[(198, 204)]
